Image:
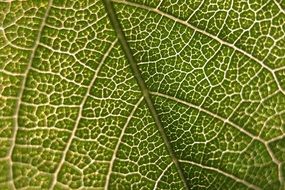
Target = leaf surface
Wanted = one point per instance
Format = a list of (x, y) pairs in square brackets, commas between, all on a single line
[(142, 94)]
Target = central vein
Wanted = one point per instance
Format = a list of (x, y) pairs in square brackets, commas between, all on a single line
[(122, 39)]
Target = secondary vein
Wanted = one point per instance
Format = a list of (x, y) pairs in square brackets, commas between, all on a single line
[(55, 175), (22, 87), (107, 183)]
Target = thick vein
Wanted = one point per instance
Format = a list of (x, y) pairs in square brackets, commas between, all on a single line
[(164, 14), (122, 39), (279, 137), (80, 115), (107, 181), (22, 87), (223, 173)]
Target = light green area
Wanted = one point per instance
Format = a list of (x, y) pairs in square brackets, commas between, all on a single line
[(75, 115)]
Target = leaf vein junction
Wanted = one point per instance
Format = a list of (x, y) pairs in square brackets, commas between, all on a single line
[(207, 34)]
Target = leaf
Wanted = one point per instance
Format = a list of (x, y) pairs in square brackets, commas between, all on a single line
[(142, 94)]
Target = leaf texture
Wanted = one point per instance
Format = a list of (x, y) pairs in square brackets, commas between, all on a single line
[(142, 94)]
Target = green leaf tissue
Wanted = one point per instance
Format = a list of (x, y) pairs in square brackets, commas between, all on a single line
[(142, 94)]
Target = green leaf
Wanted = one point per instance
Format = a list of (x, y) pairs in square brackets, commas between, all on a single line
[(142, 94)]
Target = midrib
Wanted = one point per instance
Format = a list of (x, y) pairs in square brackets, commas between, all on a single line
[(125, 47)]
